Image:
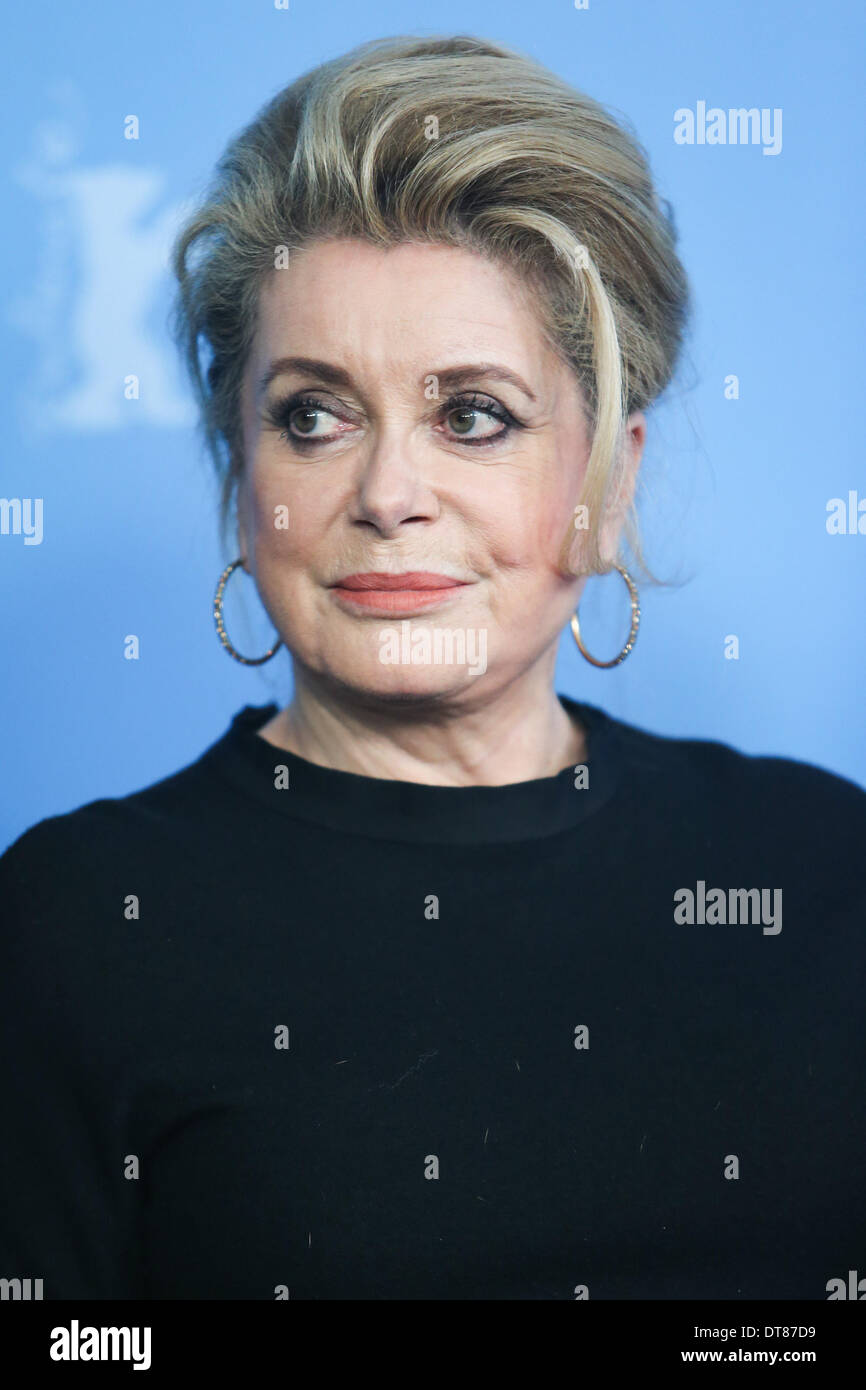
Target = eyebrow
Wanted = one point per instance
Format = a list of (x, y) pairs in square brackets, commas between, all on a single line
[(449, 377)]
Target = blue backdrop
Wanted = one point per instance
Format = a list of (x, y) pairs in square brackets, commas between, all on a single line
[(744, 457)]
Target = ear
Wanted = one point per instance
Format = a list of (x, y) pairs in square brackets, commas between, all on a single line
[(633, 447)]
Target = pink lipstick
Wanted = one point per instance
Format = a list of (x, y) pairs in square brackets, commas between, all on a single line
[(377, 592)]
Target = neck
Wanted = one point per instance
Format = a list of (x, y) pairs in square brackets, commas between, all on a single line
[(519, 733)]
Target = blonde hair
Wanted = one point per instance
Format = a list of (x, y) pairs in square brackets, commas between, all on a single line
[(522, 168)]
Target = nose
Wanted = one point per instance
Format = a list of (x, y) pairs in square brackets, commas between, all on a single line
[(391, 487)]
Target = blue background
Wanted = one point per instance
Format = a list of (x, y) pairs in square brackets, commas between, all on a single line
[(736, 508)]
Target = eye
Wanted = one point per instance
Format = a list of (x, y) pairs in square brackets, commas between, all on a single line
[(299, 419), (464, 413), (306, 421)]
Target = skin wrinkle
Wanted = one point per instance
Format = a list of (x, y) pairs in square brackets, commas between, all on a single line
[(394, 492)]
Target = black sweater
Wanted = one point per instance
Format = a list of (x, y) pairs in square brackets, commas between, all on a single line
[(351, 1038)]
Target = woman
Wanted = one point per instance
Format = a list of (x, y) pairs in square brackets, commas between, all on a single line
[(435, 983)]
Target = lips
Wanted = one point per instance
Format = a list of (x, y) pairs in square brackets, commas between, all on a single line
[(414, 579), (375, 592)]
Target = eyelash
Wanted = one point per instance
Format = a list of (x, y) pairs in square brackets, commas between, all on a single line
[(281, 412)]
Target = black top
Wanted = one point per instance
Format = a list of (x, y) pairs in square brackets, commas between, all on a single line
[(271, 1029)]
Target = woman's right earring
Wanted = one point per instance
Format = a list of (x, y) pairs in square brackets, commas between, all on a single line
[(220, 625)]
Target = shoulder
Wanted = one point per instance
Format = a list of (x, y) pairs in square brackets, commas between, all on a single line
[(90, 902), (94, 849), (56, 846), (764, 790)]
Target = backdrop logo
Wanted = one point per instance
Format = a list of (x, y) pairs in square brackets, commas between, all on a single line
[(103, 235)]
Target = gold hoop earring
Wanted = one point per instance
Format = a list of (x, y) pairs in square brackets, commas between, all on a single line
[(635, 624), (220, 625)]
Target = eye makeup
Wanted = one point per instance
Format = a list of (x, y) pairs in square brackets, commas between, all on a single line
[(280, 414)]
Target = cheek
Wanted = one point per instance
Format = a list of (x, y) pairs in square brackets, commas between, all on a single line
[(526, 527), (555, 512), (287, 516)]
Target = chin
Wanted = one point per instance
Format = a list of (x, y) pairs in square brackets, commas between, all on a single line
[(408, 661), (408, 685)]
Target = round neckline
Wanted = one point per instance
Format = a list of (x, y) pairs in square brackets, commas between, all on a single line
[(417, 812)]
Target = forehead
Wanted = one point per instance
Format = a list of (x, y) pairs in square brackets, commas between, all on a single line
[(399, 305)]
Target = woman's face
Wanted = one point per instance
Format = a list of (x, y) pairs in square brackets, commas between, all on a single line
[(403, 415)]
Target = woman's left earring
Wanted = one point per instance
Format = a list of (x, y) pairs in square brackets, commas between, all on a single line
[(635, 624)]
